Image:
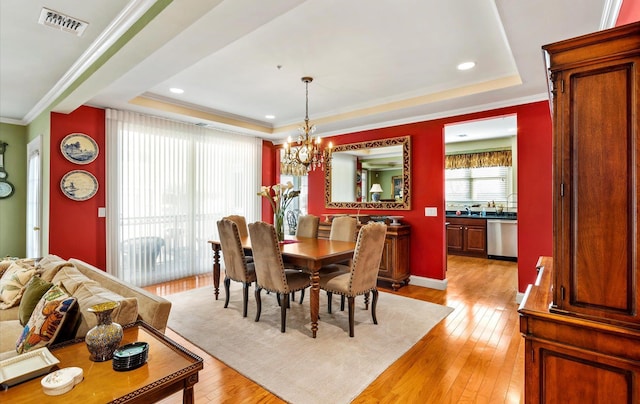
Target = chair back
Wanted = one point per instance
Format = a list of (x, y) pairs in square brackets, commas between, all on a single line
[(366, 258), (343, 228), (308, 226), (241, 222), (235, 265), (267, 258)]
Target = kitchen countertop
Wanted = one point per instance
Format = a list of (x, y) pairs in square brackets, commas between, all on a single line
[(489, 215)]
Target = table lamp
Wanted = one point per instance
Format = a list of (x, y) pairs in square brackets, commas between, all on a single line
[(376, 189)]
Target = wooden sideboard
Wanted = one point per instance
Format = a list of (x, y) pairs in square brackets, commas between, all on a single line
[(395, 264)]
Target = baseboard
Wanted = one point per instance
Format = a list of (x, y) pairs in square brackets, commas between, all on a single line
[(519, 297), (439, 284)]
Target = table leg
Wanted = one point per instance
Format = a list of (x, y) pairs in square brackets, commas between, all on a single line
[(314, 299), (216, 269), (188, 396)]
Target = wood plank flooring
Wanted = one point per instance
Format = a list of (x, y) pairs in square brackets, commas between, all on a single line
[(475, 355)]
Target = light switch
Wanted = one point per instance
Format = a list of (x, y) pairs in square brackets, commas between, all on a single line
[(102, 212), (431, 211)]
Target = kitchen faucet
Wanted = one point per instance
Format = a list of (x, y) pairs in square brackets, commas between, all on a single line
[(468, 209)]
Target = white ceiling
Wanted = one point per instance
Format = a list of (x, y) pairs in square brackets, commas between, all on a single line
[(374, 62)]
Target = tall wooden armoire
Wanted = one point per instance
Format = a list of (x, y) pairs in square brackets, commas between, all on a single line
[(581, 319)]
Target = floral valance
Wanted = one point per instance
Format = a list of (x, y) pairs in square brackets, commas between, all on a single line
[(501, 158)]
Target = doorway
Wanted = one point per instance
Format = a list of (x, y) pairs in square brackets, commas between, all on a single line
[(34, 198)]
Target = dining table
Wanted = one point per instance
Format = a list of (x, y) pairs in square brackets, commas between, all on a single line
[(302, 252)]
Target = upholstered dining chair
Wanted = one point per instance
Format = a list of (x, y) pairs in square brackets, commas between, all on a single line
[(308, 226), (270, 271), (343, 228), (236, 268), (362, 276), (243, 230)]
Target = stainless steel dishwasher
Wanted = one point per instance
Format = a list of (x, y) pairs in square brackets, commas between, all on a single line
[(502, 239)]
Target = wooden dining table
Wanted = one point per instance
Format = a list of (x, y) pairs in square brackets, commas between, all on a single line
[(309, 253)]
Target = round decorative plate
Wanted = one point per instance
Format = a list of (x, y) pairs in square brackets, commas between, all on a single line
[(79, 148), (79, 185)]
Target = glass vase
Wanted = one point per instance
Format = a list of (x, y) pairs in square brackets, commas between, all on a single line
[(103, 339), (278, 223)]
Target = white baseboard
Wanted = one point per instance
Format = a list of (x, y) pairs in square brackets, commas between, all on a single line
[(439, 284), (519, 297)]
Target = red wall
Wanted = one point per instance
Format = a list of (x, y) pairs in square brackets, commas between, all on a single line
[(428, 244), (75, 230), (629, 12)]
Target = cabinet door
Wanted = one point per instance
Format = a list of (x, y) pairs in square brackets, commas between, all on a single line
[(597, 190), (476, 239), (550, 368), (455, 237), (386, 262)]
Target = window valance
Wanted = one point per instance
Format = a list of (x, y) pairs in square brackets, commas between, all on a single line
[(500, 158)]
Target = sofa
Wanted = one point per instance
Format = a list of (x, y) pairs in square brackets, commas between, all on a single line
[(84, 285)]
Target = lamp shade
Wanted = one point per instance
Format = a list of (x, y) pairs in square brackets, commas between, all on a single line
[(376, 188)]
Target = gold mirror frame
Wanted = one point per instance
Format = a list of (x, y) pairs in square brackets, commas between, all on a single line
[(405, 142)]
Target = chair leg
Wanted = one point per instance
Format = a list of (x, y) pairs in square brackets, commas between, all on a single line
[(341, 302), (301, 296), (366, 301), (278, 298), (329, 296), (245, 298), (352, 321), (227, 283), (373, 306), (258, 303), (283, 313)]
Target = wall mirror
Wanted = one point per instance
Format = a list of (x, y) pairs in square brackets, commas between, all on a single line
[(370, 175)]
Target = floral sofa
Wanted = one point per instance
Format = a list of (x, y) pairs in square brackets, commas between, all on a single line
[(46, 303)]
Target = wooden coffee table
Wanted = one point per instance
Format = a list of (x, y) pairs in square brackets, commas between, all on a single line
[(169, 369)]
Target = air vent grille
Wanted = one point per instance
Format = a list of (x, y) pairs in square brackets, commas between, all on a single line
[(61, 21)]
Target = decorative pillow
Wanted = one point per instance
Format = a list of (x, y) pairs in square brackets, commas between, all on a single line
[(13, 282), (31, 296), (89, 294), (49, 266), (47, 320), (4, 264), (71, 278)]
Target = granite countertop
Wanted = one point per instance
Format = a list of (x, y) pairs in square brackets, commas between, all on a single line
[(477, 215)]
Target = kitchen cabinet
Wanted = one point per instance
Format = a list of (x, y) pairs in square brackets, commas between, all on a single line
[(467, 236), (581, 319), (395, 264)]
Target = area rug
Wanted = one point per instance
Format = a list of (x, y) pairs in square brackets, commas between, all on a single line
[(295, 367)]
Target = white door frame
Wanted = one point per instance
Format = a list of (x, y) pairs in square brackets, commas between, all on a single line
[(34, 199)]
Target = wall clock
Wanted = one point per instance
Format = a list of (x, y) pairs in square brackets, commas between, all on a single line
[(6, 188)]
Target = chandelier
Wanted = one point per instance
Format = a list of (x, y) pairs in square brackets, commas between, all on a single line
[(307, 154)]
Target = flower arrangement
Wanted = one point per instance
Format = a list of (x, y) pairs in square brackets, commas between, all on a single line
[(280, 197)]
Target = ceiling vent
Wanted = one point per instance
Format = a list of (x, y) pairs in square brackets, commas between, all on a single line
[(62, 22)]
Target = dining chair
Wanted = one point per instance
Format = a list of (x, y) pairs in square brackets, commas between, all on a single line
[(362, 276), (270, 270), (308, 226), (236, 268), (243, 230), (343, 228)]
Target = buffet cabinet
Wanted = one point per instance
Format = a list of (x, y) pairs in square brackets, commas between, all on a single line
[(394, 265), (581, 320)]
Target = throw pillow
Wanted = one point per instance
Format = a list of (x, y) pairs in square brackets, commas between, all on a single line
[(71, 278), (12, 284), (91, 294), (47, 320), (31, 296), (49, 266), (4, 264)]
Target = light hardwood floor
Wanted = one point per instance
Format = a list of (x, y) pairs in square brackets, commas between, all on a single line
[(475, 355)]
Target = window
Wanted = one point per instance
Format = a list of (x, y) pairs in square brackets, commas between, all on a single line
[(168, 185), (480, 184)]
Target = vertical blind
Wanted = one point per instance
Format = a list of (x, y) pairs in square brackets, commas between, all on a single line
[(167, 185)]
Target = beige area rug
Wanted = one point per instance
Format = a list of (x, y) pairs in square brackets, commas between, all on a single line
[(295, 367)]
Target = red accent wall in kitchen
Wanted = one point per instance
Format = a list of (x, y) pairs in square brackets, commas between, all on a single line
[(629, 12), (428, 243), (75, 230)]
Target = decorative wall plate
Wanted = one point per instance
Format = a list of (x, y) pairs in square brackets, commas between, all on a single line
[(79, 148), (79, 185)]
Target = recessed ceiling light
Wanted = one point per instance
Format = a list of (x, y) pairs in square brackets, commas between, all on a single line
[(270, 116), (466, 65), (176, 90)]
